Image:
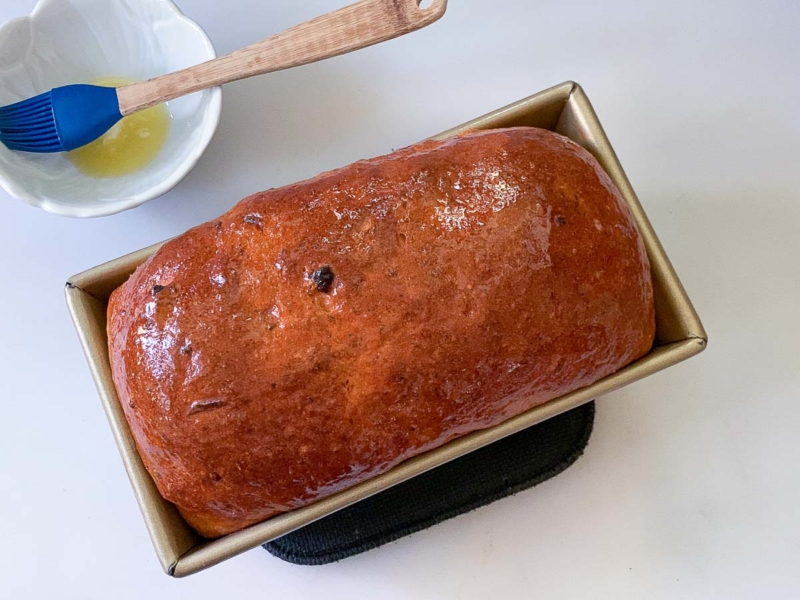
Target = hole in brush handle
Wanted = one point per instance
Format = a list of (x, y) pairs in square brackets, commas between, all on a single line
[(428, 10), (432, 9), (437, 6)]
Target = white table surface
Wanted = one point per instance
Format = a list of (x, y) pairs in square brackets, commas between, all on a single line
[(689, 487)]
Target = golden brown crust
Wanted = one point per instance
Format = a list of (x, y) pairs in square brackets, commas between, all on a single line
[(321, 333)]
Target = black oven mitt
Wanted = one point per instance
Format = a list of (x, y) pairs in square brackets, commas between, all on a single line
[(505, 467)]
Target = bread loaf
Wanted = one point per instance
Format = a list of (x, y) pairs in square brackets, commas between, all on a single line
[(319, 334)]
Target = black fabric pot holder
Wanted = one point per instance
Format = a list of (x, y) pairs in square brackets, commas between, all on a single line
[(506, 467)]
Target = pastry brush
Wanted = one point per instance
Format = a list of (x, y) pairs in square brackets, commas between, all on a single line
[(72, 116)]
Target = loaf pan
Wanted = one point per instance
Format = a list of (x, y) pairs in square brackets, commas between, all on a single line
[(564, 108)]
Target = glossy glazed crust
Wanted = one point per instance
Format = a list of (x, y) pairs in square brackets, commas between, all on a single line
[(321, 333)]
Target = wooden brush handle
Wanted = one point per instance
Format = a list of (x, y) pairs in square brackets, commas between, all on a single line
[(353, 27)]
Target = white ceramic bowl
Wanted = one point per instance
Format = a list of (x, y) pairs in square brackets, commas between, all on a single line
[(77, 41)]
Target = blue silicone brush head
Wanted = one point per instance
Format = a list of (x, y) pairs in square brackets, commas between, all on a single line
[(60, 120)]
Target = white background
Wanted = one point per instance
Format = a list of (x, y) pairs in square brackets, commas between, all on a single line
[(690, 486)]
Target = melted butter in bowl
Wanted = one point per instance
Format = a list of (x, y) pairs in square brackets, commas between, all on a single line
[(73, 41), (129, 146)]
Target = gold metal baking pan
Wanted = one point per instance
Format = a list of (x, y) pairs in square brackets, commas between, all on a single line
[(679, 335)]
